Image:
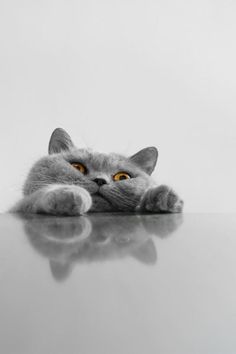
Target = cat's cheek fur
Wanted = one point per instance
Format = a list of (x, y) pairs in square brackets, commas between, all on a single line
[(99, 204), (125, 195)]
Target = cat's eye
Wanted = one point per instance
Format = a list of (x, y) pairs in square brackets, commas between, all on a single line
[(79, 166), (121, 176)]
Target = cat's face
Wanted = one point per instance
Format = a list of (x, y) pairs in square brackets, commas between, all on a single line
[(115, 182)]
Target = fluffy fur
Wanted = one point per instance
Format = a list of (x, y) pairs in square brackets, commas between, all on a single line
[(54, 186)]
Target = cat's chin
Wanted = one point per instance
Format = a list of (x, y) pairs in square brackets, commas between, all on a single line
[(100, 204)]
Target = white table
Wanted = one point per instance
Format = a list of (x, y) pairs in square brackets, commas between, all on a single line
[(118, 284)]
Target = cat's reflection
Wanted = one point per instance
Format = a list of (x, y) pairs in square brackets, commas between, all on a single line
[(66, 241)]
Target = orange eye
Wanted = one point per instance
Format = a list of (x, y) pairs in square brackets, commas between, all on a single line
[(79, 166), (120, 176)]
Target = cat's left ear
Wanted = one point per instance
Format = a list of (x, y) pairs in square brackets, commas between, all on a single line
[(146, 159), (59, 141)]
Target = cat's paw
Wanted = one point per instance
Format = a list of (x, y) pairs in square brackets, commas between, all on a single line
[(161, 199), (65, 200)]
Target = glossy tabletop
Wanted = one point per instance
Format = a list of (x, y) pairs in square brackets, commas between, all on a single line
[(118, 284)]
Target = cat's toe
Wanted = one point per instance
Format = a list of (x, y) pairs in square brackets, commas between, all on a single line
[(174, 203), (67, 201), (168, 200), (162, 199)]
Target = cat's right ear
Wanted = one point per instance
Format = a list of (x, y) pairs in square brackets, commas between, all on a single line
[(146, 159), (59, 141)]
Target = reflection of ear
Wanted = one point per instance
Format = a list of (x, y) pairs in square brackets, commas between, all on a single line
[(146, 252), (59, 141), (146, 159), (60, 270)]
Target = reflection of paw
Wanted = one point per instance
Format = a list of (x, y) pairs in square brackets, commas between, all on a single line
[(66, 200), (161, 199)]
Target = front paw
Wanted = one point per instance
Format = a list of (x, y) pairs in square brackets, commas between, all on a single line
[(161, 199), (65, 200)]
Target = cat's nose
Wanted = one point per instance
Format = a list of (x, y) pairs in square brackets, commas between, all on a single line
[(100, 181)]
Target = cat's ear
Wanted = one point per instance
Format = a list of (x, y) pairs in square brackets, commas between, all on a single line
[(60, 270), (146, 159), (146, 252), (59, 141)]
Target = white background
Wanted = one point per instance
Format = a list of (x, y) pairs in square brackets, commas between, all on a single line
[(119, 76)]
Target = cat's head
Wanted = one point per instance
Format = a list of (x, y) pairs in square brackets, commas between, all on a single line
[(115, 182)]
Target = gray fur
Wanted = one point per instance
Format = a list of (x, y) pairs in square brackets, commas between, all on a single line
[(59, 141), (146, 159), (54, 186)]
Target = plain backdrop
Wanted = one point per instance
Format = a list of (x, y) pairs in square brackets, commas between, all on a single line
[(120, 75)]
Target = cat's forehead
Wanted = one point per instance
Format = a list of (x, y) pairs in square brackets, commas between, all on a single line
[(97, 160)]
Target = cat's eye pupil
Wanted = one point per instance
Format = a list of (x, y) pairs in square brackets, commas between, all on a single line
[(123, 177)]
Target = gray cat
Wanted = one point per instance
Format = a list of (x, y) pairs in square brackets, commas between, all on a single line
[(72, 181)]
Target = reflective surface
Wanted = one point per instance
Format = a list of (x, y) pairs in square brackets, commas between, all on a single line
[(118, 284)]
